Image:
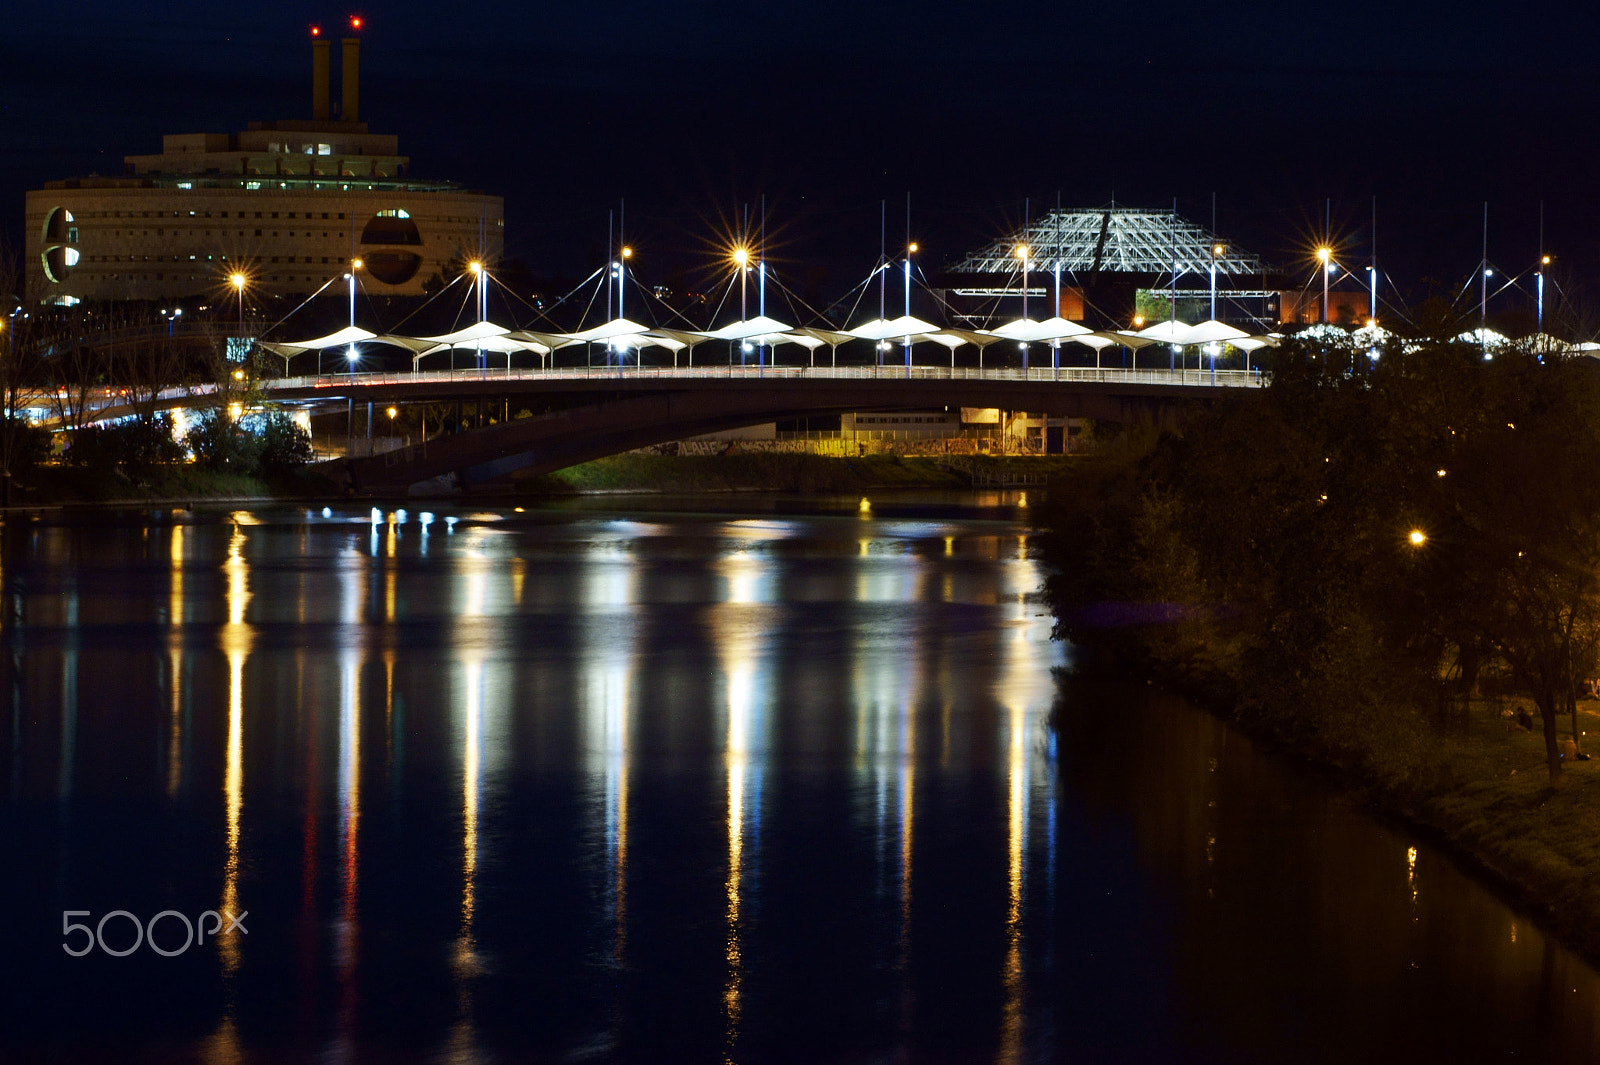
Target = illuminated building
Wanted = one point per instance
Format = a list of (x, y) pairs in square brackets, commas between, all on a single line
[(289, 203), (1109, 265)]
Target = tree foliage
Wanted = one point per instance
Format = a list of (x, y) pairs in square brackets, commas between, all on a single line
[(1272, 539)]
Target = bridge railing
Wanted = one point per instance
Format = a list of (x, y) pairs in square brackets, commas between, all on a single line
[(1041, 374)]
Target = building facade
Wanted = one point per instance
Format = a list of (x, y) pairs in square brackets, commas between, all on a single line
[(289, 204)]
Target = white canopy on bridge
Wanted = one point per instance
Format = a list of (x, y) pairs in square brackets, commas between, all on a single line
[(350, 334), (615, 329), (1213, 331), (892, 329), (1026, 330), (748, 329)]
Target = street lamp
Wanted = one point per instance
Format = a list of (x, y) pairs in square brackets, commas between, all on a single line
[(905, 342), (1325, 256), (171, 316), (622, 277), (476, 269), (741, 259), (1022, 253), (1544, 261), (237, 280), (1417, 537), (1217, 252)]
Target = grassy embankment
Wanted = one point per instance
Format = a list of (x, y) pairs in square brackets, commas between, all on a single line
[(54, 486), (748, 472), (776, 472)]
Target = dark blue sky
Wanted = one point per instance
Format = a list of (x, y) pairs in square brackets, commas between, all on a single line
[(690, 110)]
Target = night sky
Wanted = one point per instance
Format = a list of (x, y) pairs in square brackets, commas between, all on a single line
[(690, 111)]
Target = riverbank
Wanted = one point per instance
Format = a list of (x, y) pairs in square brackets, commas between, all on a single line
[(796, 473), (1380, 583), (1471, 780), (800, 474), (68, 486)]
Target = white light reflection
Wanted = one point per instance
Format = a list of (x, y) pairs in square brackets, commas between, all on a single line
[(1025, 689), (237, 637), (888, 673), (739, 623), (485, 682), (610, 631), (175, 665)]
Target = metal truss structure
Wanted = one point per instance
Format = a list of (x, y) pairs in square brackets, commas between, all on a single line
[(1113, 240)]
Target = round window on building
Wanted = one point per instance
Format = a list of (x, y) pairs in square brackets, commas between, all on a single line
[(59, 235), (58, 262), (391, 227), (60, 227), (392, 267)]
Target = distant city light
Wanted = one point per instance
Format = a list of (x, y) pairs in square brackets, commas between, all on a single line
[(1418, 537)]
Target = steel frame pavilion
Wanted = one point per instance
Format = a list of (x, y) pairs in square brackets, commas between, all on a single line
[(1112, 239)]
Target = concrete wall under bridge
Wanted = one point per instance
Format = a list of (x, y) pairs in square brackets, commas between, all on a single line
[(614, 414)]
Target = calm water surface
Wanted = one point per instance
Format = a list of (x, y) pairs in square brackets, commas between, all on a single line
[(579, 785)]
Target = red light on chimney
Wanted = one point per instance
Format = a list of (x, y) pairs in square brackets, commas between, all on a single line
[(316, 31), (355, 22)]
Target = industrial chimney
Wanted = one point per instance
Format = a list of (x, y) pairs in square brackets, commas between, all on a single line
[(350, 62), (320, 57)]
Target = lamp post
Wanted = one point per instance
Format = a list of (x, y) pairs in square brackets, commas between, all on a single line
[(476, 269), (906, 340), (1023, 253), (1325, 257), (741, 259), (1217, 252), (1544, 261), (237, 280), (171, 316)]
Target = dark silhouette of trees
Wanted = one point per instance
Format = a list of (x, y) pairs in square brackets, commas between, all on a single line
[(1271, 544)]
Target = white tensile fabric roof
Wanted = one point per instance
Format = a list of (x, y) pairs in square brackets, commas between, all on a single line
[(612, 330), (475, 332), (350, 334), (745, 330), (954, 338), (626, 333), (886, 329), (1028, 330)]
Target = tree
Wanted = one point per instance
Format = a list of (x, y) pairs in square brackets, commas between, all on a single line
[(220, 443), (284, 444)]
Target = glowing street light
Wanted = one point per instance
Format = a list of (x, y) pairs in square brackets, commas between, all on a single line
[(1023, 252), (237, 280), (1325, 256), (475, 267), (905, 342), (741, 259), (1544, 261), (1417, 538)]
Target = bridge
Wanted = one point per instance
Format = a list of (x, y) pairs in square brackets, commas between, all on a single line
[(605, 411)]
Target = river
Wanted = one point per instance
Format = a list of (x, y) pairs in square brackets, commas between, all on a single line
[(805, 781)]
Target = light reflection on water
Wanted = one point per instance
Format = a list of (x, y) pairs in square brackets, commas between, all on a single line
[(674, 787)]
